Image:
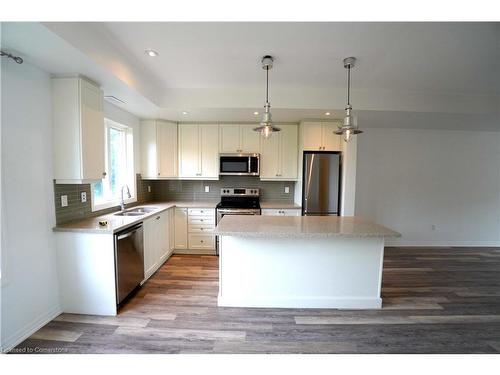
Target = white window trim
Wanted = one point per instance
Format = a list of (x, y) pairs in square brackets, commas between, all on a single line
[(116, 202)]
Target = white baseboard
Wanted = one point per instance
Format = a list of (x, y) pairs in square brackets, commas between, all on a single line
[(301, 302), (403, 243), (29, 329), (195, 252)]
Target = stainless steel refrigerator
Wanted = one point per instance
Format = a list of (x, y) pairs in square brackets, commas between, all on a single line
[(321, 183)]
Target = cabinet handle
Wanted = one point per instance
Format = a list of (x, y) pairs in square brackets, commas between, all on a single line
[(104, 174), (201, 241), (201, 219), (157, 218)]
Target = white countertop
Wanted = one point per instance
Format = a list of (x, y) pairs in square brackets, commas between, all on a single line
[(301, 227), (117, 223), (278, 204)]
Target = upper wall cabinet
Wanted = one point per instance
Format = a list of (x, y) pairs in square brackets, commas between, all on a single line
[(279, 154), (159, 149), (239, 139), (78, 126), (318, 136), (199, 151)]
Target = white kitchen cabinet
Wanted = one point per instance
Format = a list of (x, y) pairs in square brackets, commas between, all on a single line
[(193, 230), (319, 136), (159, 149), (199, 151), (181, 222), (78, 128), (151, 240), (156, 241), (281, 212), (236, 138), (279, 154)]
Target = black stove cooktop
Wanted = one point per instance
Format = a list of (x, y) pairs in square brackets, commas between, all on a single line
[(238, 202), (239, 198)]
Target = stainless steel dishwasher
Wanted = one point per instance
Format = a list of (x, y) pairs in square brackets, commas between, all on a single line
[(129, 261)]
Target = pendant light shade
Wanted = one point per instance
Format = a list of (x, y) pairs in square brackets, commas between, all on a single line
[(349, 126), (266, 127)]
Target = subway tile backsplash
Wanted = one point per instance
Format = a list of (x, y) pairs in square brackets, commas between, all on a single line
[(195, 190), (162, 190), (76, 210)]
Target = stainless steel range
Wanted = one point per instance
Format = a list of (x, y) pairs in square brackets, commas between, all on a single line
[(237, 201)]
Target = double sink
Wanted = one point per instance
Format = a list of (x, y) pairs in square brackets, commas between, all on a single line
[(136, 211)]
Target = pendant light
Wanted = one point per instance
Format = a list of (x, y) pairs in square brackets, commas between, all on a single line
[(266, 127), (348, 128)]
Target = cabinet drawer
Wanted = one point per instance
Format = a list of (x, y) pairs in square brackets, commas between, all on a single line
[(281, 212), (201, 228), (201, 241), (201, 212), (201, 220)]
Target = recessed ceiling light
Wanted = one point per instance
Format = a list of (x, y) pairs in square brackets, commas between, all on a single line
[(256, 113), (151, 53), (184, 113), (327, 113)]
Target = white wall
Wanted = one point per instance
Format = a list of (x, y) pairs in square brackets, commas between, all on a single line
[(30, 295), (410, 179)]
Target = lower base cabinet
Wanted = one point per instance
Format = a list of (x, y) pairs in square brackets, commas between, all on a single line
[(158, 245), (193, 230)]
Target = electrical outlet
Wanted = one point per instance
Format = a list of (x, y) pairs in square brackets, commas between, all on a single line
[(287, 189), (84, 196), (207, 189), (64, 201), (149, 189)]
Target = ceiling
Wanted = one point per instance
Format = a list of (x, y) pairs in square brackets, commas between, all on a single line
[(212, 70), (455, 57)]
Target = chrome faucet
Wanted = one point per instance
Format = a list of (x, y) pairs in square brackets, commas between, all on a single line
[(122, 202)]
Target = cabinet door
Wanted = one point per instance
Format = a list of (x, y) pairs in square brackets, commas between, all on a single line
[(149, 153), (209, 140), (312, 133), (229, 138), (92, 131), (181, 217), (162, 235), (269, 157), (167, 148), (150, 246), (189, 150), (288, 152), (250, 139), (331, 141), (171, 229)]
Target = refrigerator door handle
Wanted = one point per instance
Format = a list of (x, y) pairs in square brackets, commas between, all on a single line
[(309, 176)]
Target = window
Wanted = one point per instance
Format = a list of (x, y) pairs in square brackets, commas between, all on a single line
[(119, 168)]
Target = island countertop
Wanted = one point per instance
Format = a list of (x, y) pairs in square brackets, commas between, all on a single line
[(301, 227)]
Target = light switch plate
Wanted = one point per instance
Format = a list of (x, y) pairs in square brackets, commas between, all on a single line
[(64, 201), (207, 189), (287, 190), (84, 196)]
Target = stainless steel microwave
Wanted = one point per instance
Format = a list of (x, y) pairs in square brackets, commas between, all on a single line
[(239, 164)]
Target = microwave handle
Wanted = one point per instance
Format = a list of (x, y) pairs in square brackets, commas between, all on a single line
[(249, 164)]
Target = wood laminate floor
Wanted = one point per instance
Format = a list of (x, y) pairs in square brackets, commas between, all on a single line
[(435, 300)]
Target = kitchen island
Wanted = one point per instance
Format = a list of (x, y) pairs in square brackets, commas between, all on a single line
[(301, 262)]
